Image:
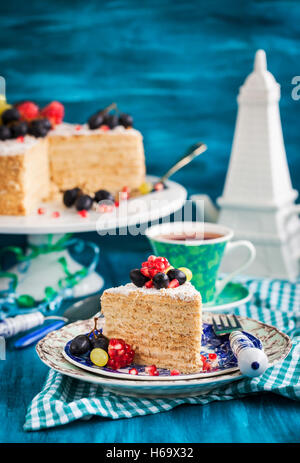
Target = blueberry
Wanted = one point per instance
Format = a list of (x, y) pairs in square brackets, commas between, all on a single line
[(102, 195), (126, 120), (37, 128), (160, 280), (80, 345), (84, 202), (95, 121), (178, 274), (137, 278), (19, 129), (70, 196), (111, 120), (10, 115), (100, 342), (5, 132)]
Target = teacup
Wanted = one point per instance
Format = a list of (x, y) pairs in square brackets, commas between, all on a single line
[(199, 247)]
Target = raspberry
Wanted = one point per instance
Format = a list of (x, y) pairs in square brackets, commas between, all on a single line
[(149, 284), (133, 371), (174, 372), (173, 283), (54, 111), (28, 110)]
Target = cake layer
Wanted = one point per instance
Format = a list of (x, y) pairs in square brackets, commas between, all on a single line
[(163, 326), (96, 159), (24, 174)]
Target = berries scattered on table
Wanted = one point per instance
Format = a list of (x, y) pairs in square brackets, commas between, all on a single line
[(80, 345), (99, 357), (70, 196), (137, 278), (83, 202), (178, 274), (28, 110), (161, 280), (5, 133), (10, 115), (126, 120), (54, 111)]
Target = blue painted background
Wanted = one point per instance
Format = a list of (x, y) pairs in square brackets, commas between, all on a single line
[(176, 67)]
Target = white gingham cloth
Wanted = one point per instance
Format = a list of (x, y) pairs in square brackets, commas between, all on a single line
[(275, 302)]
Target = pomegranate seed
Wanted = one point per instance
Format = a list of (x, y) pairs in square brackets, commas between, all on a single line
[(78, 127), (153, 272), (212, 356), (173, 283), (41, 211), (20, 139), (84, 213), (203, 358), (133, 371), (124, 195), (145, 264), (174, 372), (155, 373), (55, 215), (149, 284), (125, 189), (105, 128), (117, 204), (151, 259), (159, 186)]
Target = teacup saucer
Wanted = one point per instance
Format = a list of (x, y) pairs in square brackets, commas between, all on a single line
[(233, 295)]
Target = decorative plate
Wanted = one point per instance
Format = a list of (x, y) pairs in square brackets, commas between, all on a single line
[(226, 361), (50, 350), (233, 295)]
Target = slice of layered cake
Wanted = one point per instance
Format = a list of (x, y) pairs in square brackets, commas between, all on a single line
[(159, 314), (24, 175)]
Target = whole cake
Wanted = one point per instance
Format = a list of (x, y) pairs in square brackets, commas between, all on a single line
[(39, 154), (158, 314)]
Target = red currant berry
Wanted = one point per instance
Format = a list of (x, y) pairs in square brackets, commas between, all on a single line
[(149, 284), (84, 213), (174, 372), (55, 215), (212, 356), (41, 211), (173, 283), (133, 371)]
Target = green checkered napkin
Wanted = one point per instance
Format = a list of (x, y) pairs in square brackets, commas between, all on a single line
[(275, 302)]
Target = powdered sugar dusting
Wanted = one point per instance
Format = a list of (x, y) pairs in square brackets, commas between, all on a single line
[(15, 147), (66, 130), (185, 292)]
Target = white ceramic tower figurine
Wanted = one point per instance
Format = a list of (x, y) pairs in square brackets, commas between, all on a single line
[(258, 198)]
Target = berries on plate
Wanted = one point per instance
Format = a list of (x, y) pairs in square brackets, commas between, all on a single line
[(120, 354), (174, 372), (100, 341), (178, 274), (70, 196), (5, 133), (80, 345), (54, 111), (160, 280), (137, 278), (10, 115), (126, 120), (152, 370), (102, 195), (133, 371), (28, 110), (99, 357), (83, 202)]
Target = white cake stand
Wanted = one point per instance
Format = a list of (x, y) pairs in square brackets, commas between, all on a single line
[(131, 213)]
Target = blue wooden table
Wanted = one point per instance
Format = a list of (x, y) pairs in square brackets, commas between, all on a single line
[(176, 67)]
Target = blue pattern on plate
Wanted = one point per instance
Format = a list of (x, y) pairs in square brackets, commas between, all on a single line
[(210, 344)]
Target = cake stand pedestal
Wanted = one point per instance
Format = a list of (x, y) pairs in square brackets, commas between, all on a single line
[(138, 211)]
